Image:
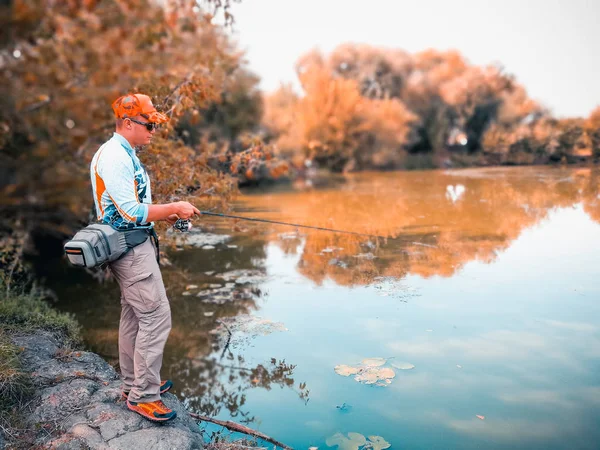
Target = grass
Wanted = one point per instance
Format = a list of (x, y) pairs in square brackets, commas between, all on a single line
[(24, 312)]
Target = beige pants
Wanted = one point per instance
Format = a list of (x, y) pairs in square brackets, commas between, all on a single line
[(145, 321)]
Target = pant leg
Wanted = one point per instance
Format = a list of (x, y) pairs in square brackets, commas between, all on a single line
[(149, 348), (144, 293), (128, 330)]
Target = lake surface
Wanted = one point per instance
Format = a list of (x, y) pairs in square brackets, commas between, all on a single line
[(487, 283)]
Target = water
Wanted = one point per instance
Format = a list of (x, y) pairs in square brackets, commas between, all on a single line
[(489, 288)]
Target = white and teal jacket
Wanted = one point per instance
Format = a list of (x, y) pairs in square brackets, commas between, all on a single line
[(120, 185)]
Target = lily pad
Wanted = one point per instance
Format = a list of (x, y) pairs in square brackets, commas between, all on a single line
[(373, 362), (378, 443), (345, 370), (353, 442), (372, 375), (403, 365)]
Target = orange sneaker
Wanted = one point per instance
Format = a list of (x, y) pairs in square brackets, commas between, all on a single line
[(165, 385), (155, 411)]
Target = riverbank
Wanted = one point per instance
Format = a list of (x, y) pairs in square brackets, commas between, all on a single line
[(58, 396)]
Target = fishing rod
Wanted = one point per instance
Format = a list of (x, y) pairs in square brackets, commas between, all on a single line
[(183, 225)]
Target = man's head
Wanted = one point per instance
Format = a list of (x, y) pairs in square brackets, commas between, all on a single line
[(137, 118)]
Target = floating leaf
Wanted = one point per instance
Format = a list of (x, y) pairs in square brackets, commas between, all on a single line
[(378, 443), (372, 375), (345, 370), (352, 442), (373, 362), (403, 365)]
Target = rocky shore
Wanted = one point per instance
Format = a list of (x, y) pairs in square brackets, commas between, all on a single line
[(77, 403)]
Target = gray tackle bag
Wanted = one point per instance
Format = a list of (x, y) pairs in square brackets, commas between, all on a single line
[(100, 243)]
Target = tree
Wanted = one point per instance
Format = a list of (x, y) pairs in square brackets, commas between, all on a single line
[(61, 66)]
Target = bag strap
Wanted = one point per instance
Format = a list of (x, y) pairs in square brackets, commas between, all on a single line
[(136, 237)]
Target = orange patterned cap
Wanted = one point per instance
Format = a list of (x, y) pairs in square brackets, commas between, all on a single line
[(132, 105)]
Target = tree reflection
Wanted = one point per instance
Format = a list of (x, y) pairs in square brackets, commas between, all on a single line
[(436, 222), (211, 384)]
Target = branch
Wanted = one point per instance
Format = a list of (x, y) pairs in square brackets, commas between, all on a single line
[(240, 429), (36, 105), (228, 338)]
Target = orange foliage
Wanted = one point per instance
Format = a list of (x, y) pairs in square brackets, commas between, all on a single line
[(435, 103), (592, 129), (334, 124), (63, 63)]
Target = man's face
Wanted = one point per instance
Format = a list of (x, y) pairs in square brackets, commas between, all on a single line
[(140, 135)]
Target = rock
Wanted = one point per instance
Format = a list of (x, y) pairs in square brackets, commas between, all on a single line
[(78, 394), (338, 262), (365, 256), (201, 239), (244, 276)]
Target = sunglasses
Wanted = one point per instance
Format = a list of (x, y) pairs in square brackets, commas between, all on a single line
[(149, 125)]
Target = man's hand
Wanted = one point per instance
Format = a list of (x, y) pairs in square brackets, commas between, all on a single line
[(186, 210), (172, 219)]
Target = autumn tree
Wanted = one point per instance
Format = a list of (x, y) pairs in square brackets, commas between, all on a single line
[(433, 103), (61, 66)]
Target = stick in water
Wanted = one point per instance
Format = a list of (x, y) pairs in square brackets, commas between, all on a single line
[(239, 428)]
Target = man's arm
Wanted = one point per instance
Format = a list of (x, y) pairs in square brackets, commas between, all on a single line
[(183, 210)]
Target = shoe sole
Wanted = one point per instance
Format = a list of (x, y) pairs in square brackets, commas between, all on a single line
[(150, 418)]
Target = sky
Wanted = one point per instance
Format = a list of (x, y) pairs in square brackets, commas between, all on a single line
[(552, 46)]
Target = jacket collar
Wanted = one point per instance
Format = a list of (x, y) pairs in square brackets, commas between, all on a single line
[(125, 143)]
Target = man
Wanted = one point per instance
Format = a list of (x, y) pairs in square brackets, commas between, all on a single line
[(122, 196)]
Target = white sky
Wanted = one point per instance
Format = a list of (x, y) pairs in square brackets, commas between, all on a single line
[(553, 47)]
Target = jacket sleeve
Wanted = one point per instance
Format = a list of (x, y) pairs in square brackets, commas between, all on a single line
[(119, 181)]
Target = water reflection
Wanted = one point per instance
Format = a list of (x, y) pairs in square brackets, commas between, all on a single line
[(436, 223)]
